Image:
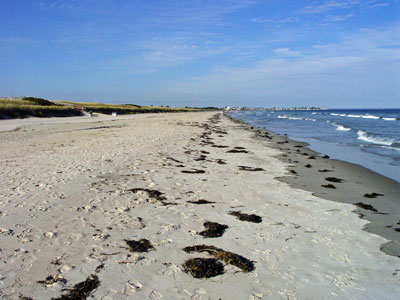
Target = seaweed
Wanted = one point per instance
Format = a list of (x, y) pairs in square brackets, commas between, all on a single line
[(308, 166), (237, 151), (246, 217), (194, 171), (366, 206), (154, 194), (202, 157), (201, 201), (173, 159), (221, 162), (82, 290), (328, 186), (219, 146), (50, 280), (203, 267), (311, 157), (372, 195), (334, 179), (228, 257), (213, 230), (244, 168), (293, 172), (325, 156), (142, 245), (325, 170)]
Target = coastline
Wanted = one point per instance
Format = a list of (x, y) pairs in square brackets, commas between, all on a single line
[(74, 194), (383, 212)]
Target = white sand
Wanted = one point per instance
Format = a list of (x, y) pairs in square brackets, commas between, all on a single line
[(66, 209)]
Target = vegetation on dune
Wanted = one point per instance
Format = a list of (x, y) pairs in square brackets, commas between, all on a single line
[(38, 107), (34, 107)]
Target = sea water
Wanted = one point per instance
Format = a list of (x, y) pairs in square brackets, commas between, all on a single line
[(369, 137)]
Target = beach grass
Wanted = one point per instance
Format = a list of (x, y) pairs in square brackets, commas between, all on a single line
[(37, 107)]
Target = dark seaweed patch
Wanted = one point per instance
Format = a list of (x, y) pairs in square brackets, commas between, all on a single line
[(245, 217), (293, 172), (237, 151), (173, 159), (372, 195), (311, 157), (219, 146), (328, 186), (299, 146), (366, 206), (333, 179), (244, 168), (194, 171), (308, 166), (203, 267), (239, 148), (228, 257), (50, 280), (154, 194), (82, 290), (325, 170), (142, 245), (213, 230), (325, 156), (221, 162), (201, 201), (202, 157)]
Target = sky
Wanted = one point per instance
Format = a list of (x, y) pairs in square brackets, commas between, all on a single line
[(326, 53)]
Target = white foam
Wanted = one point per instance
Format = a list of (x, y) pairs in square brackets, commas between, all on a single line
[(370, 117), (363, 136), (333, 114), (283, 117), (342, 115), (389, 119), (354, 116), (342, 128)]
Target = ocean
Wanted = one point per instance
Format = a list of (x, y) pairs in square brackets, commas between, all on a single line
[(368, 137)]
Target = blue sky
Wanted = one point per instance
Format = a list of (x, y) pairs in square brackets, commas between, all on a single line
[(328, 53)]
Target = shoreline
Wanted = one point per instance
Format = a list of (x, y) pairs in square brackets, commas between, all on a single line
[(125, 207), (383, 212)]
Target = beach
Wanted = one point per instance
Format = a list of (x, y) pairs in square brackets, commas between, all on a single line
[(118, 208)]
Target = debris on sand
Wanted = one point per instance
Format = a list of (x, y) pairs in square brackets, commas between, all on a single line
[(221, 162), (325, 170), (366, 206), (201, 201), (142, 245), (173, 159), (293, 172), (237, 151), (372, 195), (153, 194), (244, 168), (308, 166), (328, 186), (82, 290), (334, 179), (213, 230), (219, 146), (228, 257), (325, 156), (50, 280), (194, 171), (203, 267), (245, 217)]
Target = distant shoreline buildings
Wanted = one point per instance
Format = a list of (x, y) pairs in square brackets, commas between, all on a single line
[(274, 108)]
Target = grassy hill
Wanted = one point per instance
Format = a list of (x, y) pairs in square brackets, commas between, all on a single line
[(37, 107)]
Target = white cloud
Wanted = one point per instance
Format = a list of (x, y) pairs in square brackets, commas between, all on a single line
[(286, 52)]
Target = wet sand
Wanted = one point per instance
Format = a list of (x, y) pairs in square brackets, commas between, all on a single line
[(184, 206)]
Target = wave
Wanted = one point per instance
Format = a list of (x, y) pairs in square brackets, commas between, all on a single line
[(333, 114), (389, 119), (295, 118), (354, 116), (370, 117), (340, 127), (363, 136)]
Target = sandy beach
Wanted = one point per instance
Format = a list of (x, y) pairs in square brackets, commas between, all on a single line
[(122, 207)]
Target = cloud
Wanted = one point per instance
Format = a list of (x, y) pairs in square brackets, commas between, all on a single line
[(338, 18), (360, 63), (286, 52)]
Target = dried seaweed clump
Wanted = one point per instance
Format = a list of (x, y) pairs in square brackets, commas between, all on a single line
[(228, 257), (82, 290), (333, 179), (203, 267), (154, 194), (328, 186), (142, 245), (366, 206), (244, 168), (213, 230), (201, 201), (237, 151), (245, 217), (372, 195)]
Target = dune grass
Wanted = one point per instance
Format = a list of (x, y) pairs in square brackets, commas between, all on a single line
[(34, 107), (37, 107)]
